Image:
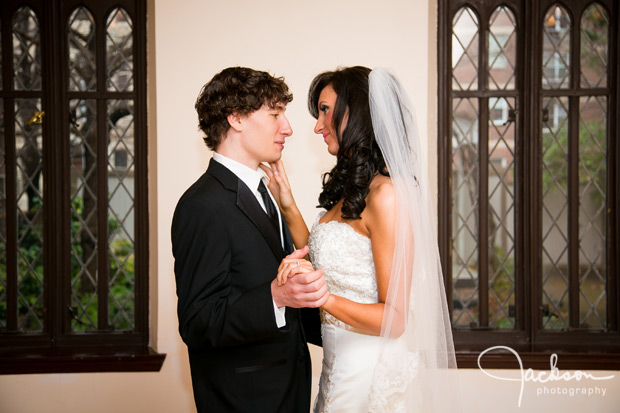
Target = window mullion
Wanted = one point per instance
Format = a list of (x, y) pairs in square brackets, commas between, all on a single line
[(102, 218), (52, 150), (573, 211), (483, 194), (102, 180), (483, 239), (528, 296), (573, 177)]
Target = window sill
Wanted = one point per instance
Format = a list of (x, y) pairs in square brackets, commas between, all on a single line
[(144, 359), (539, 361)]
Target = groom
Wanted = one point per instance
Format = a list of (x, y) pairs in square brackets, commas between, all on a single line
[(247, 347)]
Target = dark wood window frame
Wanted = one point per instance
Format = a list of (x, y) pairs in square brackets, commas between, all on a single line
[(56, 349), (576, 349)]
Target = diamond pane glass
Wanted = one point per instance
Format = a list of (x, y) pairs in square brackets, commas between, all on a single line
[(592, 211), (29, 186), (555, 213), (26, 50), (556, 49), (502, 49), (3, 205), (119, 52), (82, 57), (594, 46), (501, 219), (464, 199), (84, 230), (465, 48), (121, 212)]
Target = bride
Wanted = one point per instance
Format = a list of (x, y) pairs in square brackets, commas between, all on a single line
[(387, 342)]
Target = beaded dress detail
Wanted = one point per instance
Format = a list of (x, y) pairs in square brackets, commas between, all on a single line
[(349, 355)]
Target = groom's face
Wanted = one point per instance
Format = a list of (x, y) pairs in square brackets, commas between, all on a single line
[(265, 131)]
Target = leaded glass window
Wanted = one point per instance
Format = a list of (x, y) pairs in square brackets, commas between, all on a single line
[(73, 256), (102, 303), (528, 198), (30, 197), (483, 257), (574, 170)]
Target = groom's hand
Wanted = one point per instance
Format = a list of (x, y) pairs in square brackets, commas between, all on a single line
[(304, 290), (307, 289)]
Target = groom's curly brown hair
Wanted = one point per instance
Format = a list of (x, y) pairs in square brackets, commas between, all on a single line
[(238, 90)]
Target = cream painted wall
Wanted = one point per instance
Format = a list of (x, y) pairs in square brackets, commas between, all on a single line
[(189, 42)]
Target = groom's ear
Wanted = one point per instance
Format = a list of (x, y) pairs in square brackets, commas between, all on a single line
[(234, 120)]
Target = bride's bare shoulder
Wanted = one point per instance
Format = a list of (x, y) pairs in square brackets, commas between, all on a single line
[(381, 195)]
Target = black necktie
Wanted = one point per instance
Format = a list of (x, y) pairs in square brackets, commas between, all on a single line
[(269, 206)]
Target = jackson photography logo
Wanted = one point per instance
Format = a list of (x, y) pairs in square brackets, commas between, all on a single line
[(547, 378)]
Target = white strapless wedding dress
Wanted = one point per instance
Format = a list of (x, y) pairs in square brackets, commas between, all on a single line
[(349, 355)]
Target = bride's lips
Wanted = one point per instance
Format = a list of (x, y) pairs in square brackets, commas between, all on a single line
[(325, 136), (280, 144)]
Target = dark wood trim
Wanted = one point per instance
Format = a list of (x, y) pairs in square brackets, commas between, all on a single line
[(51, 151), (573, 210), (539, 361), (613, 150), (483, 204), (479, 340), (9, 155), (127, 360), (484, 93), (583, 340), (444, 176), (483, 172), (529, 180), (102, 175), (22, 94), (11, 214), (535, 157), (141, 182), (522, 191), (573, 178), (64, 213), (101, 94), (575, 92)]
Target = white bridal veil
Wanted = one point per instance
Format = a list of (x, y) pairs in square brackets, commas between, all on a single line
[(417, 366)]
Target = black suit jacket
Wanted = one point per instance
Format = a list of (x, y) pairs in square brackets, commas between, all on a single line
[(226, 254)]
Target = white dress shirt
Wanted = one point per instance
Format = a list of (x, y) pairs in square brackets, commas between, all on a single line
[(252, 177)]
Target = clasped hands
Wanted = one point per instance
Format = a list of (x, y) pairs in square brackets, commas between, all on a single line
[(297, 284)]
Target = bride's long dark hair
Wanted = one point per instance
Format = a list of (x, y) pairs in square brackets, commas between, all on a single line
[(359, 157)]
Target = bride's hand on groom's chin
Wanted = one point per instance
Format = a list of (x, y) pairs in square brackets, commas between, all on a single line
[(279, 186)]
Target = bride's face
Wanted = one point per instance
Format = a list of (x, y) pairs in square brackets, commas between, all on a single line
[(324, 123)]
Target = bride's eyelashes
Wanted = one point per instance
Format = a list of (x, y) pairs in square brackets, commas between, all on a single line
[(324, 108)]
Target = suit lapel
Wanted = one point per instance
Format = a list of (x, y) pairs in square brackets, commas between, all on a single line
[(247, 203)]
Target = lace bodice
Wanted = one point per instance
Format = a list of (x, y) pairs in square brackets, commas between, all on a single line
[(346, 259)]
